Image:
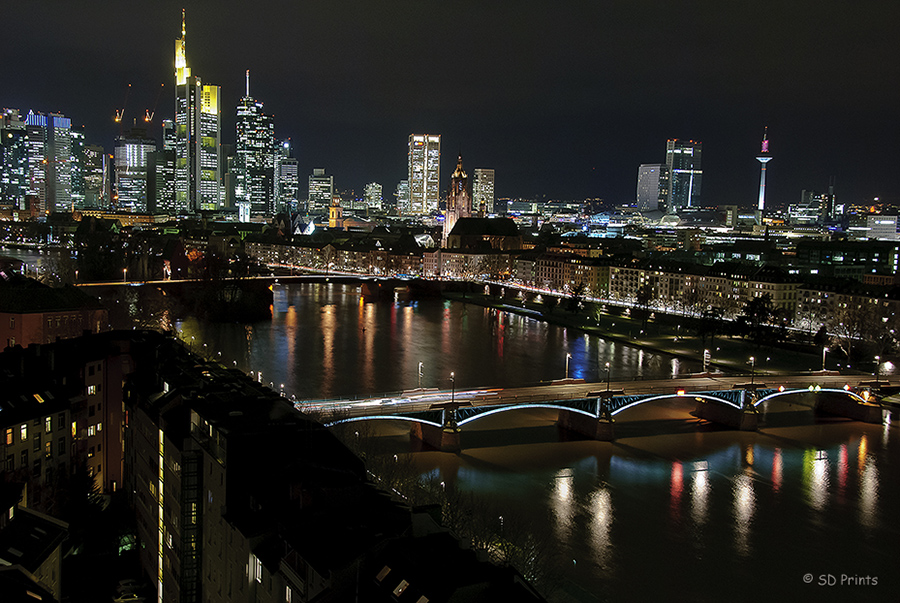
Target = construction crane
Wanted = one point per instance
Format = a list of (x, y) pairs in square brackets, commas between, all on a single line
[(148, 115), (121, 114)]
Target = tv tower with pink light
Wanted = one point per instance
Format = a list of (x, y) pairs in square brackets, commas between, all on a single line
[(763, 158)]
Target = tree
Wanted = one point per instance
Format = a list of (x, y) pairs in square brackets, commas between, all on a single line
[(756, 315), (643, 298), (549, 302), (576, 296), (848, 322)]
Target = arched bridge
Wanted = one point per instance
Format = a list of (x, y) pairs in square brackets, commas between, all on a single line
[(593, 416)]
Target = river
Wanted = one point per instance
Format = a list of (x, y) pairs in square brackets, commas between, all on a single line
[(803, 509), (669, 510)]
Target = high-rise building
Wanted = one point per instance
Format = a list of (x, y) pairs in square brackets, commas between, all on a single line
[(132, 160), (652, 186), (287, 178), (483, 192), (424, 172), (459, 200), (198, 137), (401, 196), (78, 167), (48, 142), (13, 159), (321, 191), (685, 173), (254, 156), (373, 196), (94, 166), (763, 158)]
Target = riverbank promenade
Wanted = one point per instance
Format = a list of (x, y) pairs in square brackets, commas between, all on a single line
[(727, 354)]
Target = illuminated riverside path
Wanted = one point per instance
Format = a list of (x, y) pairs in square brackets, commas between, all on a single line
[(668, 511)]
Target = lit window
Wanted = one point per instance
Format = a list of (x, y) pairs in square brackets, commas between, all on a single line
[(92, 389), (48, 425), (92, 430), (9, 436), (23, 432)]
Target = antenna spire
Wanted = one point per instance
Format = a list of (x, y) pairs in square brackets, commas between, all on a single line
[(183, 32), (248, 84), (765, 140)]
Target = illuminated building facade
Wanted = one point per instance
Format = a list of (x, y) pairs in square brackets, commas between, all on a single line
[(254, 166), (132, 159), (96, 183), (652, 186), (685, 173), (13, 159), (373, 195), (459, 200), (287, 178), (48, 143), (483, 192), (424, 172), (198, 137), (321, 191), (401, 196)]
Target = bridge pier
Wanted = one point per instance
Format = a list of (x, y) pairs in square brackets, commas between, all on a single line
[(742, 419), (445, 438), (845, 406), (600, 427)]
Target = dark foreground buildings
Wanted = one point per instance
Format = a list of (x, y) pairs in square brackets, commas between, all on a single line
[(236, 495)]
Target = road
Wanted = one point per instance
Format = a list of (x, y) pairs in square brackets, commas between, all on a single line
[(421, 400)]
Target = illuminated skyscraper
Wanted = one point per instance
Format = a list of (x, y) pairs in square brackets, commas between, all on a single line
[(373, 195), (13, 159), (652, 186), (685, 173), (321, 191), (48, 143), (132, 156), (95, 181), (763, 158), (483, 192), (254, 165), (287, 179), (198, 137), (401, 196), (424, 172), (459, 200)]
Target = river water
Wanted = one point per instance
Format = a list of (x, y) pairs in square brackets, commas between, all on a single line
[(803, 509), (669, 510)]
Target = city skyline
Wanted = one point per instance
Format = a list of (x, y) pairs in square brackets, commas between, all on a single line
[(565, 104)]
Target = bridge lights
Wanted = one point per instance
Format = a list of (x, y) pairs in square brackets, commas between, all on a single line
[(607, 376), (452, 387)]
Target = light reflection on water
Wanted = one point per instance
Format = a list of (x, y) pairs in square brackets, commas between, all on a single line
[(633, 518)]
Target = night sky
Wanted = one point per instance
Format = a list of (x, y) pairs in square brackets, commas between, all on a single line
[(563, 99)]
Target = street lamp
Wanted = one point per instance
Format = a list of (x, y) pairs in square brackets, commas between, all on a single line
[(877, 368), (420, 375), (568, 357), (752, 369), (607, 376), (824, 351), (452, 388), (124, 275)]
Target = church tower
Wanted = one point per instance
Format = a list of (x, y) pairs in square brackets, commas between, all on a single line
[(459, 200)]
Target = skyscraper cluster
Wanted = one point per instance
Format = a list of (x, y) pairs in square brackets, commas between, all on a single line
[(674, 185)]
